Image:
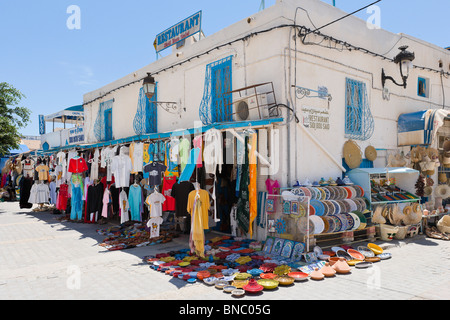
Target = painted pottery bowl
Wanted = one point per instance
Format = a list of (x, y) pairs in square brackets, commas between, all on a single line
[(285, 280), (355, 254), (363, 265), (366, 251), (372, 259), (242, 276), (229, 289), (267, 275), (210, 281), (375, 248), (343, 254), (298, 276), (268, 283), (192, 280), (353, 262), (239, 283), (384, 256), (221, 284), (238, 292)]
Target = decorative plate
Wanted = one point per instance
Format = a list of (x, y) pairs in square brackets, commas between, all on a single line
[(336, 249), (267, 275), (356, 220), (306, 191), (242, 276), (355, 254), (384, 256), (318, 207), (363, 264), (331, 224), (352, 204), (349, 220), (366, 252), (297, 251), (268, 284), (326, 225), (343, 222), (343, 254), (337, 223), (238, 292), (277, 246), (303, 227), (210, 281), (318, 224), (239, 283), (285, 280), (337, 207), (229, 288), (298, 276), (375, 248)]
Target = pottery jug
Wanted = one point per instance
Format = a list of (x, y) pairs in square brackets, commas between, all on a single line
[(316, 274), (341, 266), (327, 270)]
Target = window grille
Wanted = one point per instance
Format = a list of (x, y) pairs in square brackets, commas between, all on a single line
[(216, 105), (146, 118), (103, 123), (359, 123)]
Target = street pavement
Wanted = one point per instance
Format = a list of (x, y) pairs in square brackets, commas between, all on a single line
[(42, 258)]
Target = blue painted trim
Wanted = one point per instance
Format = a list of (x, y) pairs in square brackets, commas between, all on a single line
[(165, 135)]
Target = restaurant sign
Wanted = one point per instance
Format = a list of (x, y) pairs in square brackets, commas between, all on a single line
[(315, 118), (178, 32)]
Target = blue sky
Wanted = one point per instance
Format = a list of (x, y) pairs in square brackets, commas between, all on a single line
[(54, 66)]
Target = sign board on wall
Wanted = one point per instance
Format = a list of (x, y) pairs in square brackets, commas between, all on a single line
[(76, 135), (316, 118), (178, 32)]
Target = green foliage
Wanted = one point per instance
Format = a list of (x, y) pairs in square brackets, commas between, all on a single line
[(12, 117)]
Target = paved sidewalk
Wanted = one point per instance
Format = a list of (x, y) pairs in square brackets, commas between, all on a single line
[(43, 258)]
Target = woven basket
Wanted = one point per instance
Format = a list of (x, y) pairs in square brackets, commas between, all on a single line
[(388, 232), (444, 224)]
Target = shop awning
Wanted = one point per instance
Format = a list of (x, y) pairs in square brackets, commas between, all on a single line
[(419, 128), (164, 135), (70, 115)]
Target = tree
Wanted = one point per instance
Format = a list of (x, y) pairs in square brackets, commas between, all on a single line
[(12, 117)]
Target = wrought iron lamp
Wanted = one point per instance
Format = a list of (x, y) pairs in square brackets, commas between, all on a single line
[(149, 86), (404, 59)]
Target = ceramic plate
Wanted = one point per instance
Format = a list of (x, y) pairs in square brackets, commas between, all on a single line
[(349, 220), (326, 225), (337, 208), (318, 224), (268, 283), (343, 222), (355, 254), (337, 223), (352, 204), (356, 220), (363, 265), (331, 224), (306, 191), (384, 255), (298, 276), (336, 249), (318, 207), (343, 254), (238, 292), (366, 252), (303, 225), (229, 289), (375, 248)]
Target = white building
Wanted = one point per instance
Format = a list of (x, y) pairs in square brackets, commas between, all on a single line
[(279, 45)]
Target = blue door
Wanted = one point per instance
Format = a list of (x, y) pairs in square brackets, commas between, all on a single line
[(108, 125)]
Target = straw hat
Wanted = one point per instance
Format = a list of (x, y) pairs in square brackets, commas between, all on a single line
[(370, 153), (352, 154), (427, 191), (442, 191), (446, 145)]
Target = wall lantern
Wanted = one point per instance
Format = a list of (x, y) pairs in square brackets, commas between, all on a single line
[(149, 86), (404, 59)]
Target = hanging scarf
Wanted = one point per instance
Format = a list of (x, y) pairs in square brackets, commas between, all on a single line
[(243, 205), (197, 236), (252, 192)]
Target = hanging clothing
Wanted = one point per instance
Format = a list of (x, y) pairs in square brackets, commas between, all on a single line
[(180, 192), (154, 225), (202, 197), (243, 205), (77, 165), (213, 154), (106, 202), (137, 154), (147, 157), (183, 148), (168, 183), (155, 171), (124, 207), (261, 216), (42, 171), (186, 174), (172, 166), (198, 143), (121, 167), (197, 236), (94, 165), (252, 192), (52, 189), (155, 201), (28, 168), (25, 185), (134, 200), (63, 196), (76, 212), (39, 193), (94, 202)]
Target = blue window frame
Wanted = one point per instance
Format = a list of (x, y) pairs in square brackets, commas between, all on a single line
[(103, 130), (422, 88), (146, 118), (216, 104), (359, 124)]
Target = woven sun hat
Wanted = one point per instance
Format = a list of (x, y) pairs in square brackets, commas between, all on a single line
[(427, 191), (446, 145), (370, 153), (442, 191), (352, 154)]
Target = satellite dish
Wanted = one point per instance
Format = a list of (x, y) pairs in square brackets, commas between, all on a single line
[(242, 110)]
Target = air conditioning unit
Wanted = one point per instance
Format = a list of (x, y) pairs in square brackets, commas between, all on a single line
[(253, 107)]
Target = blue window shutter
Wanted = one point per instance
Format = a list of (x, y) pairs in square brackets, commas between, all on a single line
[(103, 123), (146, 118), (359, 123), (216, 105)]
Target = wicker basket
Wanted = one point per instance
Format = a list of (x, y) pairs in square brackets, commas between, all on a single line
[(401, 234), (444, 224), (388, 232)]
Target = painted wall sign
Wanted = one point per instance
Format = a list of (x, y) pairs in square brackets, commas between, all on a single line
[(41, 124), (178, 32), (316, 118), (76, 135)]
